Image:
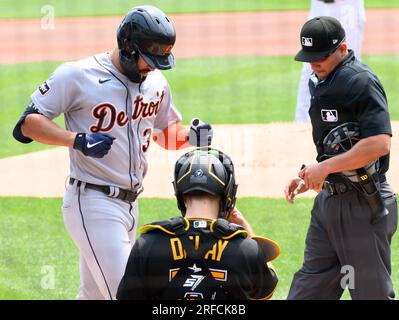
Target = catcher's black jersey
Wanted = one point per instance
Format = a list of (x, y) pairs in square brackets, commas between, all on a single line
[(351, 93), (196, 259)]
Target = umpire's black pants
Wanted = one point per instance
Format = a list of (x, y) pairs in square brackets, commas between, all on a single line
[(344, 248)]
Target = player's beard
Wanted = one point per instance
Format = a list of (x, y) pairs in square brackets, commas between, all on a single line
[(128, 63), (144, 72)]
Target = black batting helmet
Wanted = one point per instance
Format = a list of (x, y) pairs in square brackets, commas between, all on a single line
[(148, 31), (205, 170)]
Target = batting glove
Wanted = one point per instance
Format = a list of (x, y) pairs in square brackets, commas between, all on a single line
[(200, 134), (94, 145)]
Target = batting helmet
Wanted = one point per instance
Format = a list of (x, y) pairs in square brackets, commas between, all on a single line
[(205, 170), (146, 31)]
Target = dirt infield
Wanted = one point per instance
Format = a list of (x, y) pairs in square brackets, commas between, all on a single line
[(263, 164), (198, 35)]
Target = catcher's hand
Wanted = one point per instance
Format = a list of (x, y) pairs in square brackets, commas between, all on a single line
[(237, 217), (94, 145), (200, 134)]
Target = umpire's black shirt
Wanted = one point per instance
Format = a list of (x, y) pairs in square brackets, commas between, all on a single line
[(350, 93)]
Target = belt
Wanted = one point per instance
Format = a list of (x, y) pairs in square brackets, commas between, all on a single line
[(115, 192), (336, 188)]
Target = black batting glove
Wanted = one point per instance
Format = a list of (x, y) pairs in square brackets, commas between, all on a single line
[(200, 134), (94, 145)]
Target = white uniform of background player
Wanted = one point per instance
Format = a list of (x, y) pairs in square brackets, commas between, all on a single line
[(351, 14), (112, 104)]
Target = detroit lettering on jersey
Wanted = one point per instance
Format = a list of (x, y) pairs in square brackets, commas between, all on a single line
[(90, 106), (107, 115)]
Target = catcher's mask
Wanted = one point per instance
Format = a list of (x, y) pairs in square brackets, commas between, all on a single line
[(205, 170), (339, 140), (145, 31)]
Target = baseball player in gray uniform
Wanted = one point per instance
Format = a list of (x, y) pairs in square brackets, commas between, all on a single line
[(113, 103)]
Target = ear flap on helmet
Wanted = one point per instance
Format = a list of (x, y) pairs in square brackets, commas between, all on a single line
[(229, 198), (179, 196)]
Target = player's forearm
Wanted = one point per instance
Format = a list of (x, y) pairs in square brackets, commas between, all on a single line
[(238, 218), (248, 227), (174, 137), (362, 154), (43, 130), (245, 224)]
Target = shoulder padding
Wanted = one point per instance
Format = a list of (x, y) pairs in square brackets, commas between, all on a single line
[(172, 226), (223, 229)]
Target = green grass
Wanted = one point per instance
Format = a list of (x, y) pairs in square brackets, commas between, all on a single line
[(68, 8), (17, 82), (34, 238), (232, 90), (218, 90), (236, 90), (388, 73)]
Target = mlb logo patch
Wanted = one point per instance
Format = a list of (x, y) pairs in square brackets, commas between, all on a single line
[(201, 224), (307, 42), (329, 115), (44, 88)]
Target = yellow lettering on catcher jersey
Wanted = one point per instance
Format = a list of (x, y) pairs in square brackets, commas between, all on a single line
[(177, 249), (215, 253), (217, 250), (196, 240)]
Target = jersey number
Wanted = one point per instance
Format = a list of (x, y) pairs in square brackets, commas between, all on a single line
[(147, 137)]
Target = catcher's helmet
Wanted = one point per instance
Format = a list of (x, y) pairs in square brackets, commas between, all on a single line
[(205, 170), (148, 31), (340, 139)]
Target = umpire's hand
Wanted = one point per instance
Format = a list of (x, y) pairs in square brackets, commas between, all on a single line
[(94, 145), (293, 188)]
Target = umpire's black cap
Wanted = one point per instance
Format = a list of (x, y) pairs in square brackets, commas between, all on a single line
[(320, 36)]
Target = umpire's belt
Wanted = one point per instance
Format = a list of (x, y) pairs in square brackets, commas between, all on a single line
[(337, 188), (115, 192)]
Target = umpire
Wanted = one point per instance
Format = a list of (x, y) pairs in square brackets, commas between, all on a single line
[(348, 240), (201, 255)]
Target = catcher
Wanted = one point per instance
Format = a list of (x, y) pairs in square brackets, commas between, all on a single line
[(209, 252)]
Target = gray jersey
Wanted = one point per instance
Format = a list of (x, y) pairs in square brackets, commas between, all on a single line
[(95, 97)]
